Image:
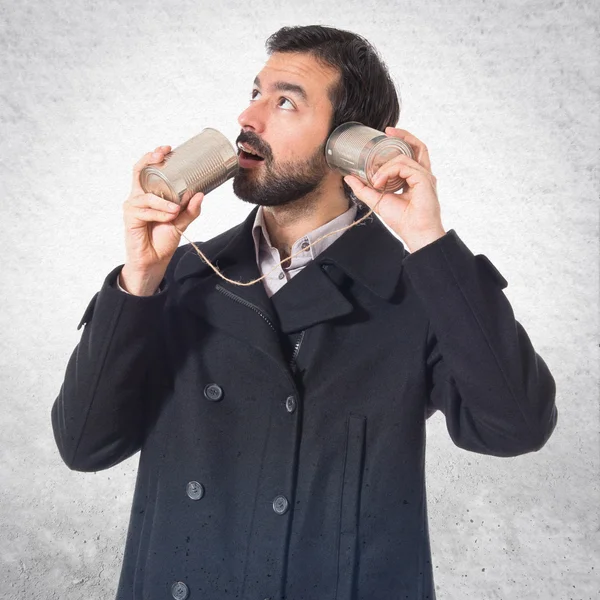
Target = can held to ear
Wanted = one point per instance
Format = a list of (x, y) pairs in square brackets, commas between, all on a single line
[(201, 164), (355, 149)]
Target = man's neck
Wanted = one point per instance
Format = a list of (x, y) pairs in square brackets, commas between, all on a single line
[(287, 224)]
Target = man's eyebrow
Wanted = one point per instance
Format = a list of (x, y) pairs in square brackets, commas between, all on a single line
[(284, 86)]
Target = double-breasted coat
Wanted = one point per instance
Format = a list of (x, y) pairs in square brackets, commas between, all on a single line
[(283, 439)]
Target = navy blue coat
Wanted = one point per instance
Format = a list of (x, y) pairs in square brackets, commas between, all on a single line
[(296, 473)]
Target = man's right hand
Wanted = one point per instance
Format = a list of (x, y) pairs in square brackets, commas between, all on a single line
[(150, 238)]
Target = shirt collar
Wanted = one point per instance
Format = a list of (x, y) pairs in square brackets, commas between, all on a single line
[(261, 238)]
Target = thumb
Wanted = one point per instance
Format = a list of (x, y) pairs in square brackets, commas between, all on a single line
[(191, 212), (362, 191)]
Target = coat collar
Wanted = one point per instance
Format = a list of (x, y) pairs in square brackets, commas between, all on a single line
[(368, 253)]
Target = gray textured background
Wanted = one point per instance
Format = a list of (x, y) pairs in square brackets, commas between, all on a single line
[(505, 94)]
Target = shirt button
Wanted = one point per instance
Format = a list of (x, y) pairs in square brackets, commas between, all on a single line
[(195, 490), (281, 275), (280, 505), (304, 245), (290, 404), (179, 590), (213, 392)]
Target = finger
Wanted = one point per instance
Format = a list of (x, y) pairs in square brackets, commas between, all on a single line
[(413, 174), (149, 158), (419, 148), (370, 196), (165, 149), (150, 200), (392, 165), (148, 215)]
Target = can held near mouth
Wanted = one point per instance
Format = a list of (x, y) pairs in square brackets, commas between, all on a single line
[(201, 164), (355, 149)]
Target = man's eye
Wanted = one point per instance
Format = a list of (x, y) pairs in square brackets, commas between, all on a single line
[(254, 92), (282, 98)]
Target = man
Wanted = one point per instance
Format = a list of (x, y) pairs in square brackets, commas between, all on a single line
[(282, 425)]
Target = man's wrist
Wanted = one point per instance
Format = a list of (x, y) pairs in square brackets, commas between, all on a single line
[(139, 284), (120, 286), (417, 242)]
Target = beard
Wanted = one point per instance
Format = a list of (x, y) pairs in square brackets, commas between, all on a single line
[(283, 184)]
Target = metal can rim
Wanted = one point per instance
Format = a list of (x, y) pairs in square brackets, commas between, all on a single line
[(150, 170)]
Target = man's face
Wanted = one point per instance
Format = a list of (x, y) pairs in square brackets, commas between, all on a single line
[(288, 128)]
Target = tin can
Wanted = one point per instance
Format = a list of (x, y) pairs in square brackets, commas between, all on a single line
[(355, 149), (201, 164)]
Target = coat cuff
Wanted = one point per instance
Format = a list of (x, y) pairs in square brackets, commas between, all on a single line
[(110, 298), (446, 261)]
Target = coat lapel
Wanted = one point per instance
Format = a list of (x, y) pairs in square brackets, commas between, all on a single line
[(369, 254), (309, 298), (245, 312)]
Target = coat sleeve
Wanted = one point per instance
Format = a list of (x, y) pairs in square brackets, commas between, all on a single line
[(110, 386), (496, 393)]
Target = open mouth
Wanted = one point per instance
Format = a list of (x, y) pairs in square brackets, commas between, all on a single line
[(248, 156), (247, 160)]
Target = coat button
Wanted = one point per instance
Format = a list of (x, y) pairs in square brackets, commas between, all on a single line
[(195, 490), (213, 392), (290, 404), (179, 590), (280, 505)]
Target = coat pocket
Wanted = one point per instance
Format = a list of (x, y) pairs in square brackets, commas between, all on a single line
[(350, 507)]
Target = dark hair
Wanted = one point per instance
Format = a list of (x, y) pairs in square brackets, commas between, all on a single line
[(364, 91)]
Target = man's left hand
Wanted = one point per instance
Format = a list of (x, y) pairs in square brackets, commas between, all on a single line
[(413, 214)]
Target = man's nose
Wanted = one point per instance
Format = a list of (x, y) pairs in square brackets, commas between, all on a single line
[(252, 118)]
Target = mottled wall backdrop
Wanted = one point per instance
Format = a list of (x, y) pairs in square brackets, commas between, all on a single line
[(504, 93)]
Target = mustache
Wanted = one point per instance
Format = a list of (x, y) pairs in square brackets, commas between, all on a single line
[(255, 142)]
